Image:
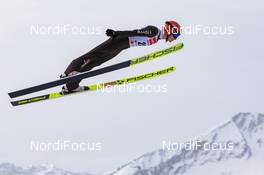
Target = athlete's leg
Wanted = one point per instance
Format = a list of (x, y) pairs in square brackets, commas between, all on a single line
[(76, 67), (102, 53), (77, 64)]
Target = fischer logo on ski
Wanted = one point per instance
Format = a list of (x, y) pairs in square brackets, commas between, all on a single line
[(157, 54)]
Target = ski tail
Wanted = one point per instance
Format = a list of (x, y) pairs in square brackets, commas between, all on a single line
[(69, 79), (97, 86)]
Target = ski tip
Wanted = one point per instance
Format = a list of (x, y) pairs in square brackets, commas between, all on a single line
[(181, 45), (171, 69)]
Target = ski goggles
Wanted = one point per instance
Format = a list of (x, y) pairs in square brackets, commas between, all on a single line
[(176, 35)]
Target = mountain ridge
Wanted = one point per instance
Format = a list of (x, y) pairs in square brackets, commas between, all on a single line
[(244, 132)]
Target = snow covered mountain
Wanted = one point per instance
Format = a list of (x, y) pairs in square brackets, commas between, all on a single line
[(234, 148), (44, 169)]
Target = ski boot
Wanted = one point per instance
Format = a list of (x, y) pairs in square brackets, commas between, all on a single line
[(65, 90), (70, 74)]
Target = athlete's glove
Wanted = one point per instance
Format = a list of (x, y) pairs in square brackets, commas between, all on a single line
[(111, 33)]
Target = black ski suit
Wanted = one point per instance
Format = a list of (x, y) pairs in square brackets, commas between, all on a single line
[(112, 47)]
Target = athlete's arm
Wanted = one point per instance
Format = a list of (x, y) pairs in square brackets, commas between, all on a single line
[(149, 31)]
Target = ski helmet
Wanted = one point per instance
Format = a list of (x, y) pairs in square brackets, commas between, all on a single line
[(172, 28)]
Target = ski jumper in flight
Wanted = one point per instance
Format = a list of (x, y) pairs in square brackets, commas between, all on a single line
[(118, 41)]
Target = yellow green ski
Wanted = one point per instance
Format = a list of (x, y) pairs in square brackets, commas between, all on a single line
[(96, 86), (156, 54)]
